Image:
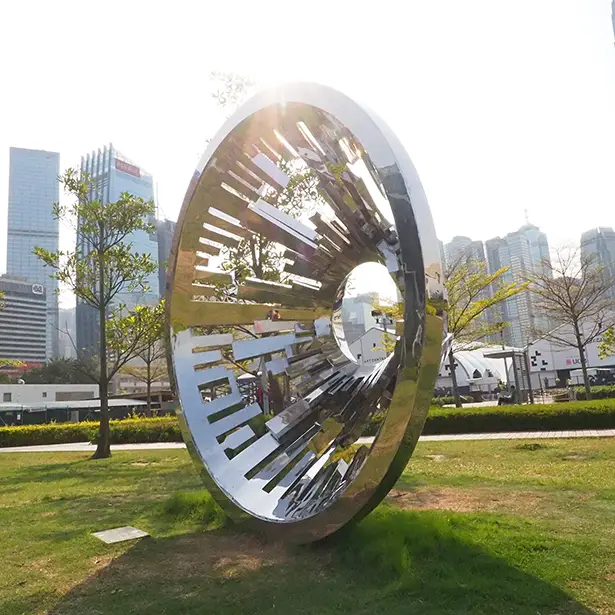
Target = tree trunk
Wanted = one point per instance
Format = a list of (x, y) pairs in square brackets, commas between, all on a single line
[(148, 411), (451, 362), (103, 447), (581, 349)]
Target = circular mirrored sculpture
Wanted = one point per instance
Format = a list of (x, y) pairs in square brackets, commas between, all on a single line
[(305, 303)]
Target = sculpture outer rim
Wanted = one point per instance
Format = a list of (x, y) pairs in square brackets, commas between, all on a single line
[(401, 428)]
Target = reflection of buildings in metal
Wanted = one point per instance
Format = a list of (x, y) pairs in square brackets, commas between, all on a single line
[(288, 458)]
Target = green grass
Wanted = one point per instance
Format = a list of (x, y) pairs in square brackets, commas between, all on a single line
[(473, 527)]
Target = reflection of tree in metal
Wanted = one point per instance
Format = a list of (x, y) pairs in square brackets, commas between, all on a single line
[(284, 453)]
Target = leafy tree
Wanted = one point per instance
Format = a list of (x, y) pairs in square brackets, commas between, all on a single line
[(472, 292), (607, 345), (58, 371), (573, 292), (148, 326), (102, 265), (255, 256), (232, 89)]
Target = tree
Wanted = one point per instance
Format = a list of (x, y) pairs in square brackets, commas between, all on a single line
[(148, 327), (232, 89), (58, 371), (472, 291), (101, 266), (607, 345), (255, 256), (573, 292)]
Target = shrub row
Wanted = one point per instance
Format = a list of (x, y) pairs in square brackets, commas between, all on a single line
[(599, 414), (606, 391), (127, 431)]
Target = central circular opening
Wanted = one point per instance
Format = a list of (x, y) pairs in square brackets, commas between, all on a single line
[(368, 305)]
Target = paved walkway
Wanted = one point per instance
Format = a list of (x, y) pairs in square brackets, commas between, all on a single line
[(86, 447)]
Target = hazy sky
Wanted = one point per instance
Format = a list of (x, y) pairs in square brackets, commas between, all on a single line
[(503, 105)]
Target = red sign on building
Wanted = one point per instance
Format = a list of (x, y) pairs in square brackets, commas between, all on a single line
[(126, 167)]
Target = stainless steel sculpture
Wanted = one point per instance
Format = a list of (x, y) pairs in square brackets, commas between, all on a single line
[(318, 186)]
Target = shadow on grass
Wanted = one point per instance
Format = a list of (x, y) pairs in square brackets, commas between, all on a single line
[(393, 562)]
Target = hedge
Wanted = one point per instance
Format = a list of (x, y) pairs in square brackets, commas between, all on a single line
[(127, 431), (606, 391), (599, 414)]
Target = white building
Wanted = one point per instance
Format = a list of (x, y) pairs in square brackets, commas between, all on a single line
[(473, 370), (34, 393), (553, 361)]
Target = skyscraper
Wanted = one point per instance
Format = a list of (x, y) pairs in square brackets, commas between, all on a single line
[(442, 255), (165, 229), (112, 174), (598, 244), (524, 253), (539, 247), (23, 322), (33, 189), (67, 333)]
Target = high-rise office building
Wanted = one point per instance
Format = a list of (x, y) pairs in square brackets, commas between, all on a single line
[(33, 189), (524, 253), (112, 174), (598, 246), (442, 255), (539, 247), (23, 322), (165, 229), (67, 333), (463, 249)]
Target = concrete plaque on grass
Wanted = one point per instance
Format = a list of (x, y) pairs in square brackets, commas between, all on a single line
[(120, 534)]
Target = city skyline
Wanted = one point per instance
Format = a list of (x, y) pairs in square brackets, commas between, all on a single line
[(165, 227)]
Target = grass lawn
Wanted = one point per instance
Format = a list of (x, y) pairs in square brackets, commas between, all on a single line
[(494, 527)]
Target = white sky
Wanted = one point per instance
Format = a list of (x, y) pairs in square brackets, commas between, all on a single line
[(503, 105)]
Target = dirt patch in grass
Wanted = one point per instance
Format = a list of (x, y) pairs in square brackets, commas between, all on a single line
[(466, 500), (531, 446), (576, 457), (437, 457)]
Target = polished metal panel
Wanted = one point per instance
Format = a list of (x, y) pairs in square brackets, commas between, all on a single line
[(323, 187)]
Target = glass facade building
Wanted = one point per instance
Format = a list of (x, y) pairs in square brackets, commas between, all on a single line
[(598, 247), (525, 253), (463, 249), (23, 322), (111, 175), (165, 229), (33, 189)]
